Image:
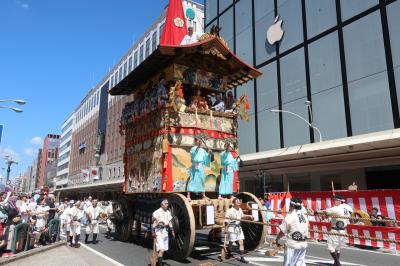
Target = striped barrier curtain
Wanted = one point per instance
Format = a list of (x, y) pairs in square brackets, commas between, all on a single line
[(386, 201)]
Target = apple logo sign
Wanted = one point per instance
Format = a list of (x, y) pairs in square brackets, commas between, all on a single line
[(275, 32)]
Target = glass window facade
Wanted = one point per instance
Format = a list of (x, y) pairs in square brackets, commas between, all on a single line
[(244, 31), (130, 64), (290, 13), (227, 31), (141, 55), (326, 87), (223, 4), (135, 59), (393, 12), (211, 8), (147, 47), (321, 15), (247, 138), (264, 12), (369, 93), (340, 65), (354, 7), (154, 41), (267, 99)]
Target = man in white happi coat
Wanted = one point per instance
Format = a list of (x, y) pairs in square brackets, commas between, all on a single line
[(76, 215), (93, 214), (110, 225), (295, 227), (66, 220), (162, 222), (338, 226), (61, 209), (234, 229)]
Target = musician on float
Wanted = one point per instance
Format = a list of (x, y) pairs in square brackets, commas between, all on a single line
[(200, 158), (229, 166)]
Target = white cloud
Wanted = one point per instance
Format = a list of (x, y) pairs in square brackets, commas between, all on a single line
[(10, 153), (36, 141), (31, 151), (21, 4)]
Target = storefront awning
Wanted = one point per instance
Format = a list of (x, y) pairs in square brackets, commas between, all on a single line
[(368, 150)]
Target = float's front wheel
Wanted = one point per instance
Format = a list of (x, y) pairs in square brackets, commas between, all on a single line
[(254, 233), (123, 219), (184, 225)]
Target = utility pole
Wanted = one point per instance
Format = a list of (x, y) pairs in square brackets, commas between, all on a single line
[(9, 162)]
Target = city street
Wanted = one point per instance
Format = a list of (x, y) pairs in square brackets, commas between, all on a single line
[(119, 253), (191, 117)]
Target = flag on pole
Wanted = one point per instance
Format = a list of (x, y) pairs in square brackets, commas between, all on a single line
[(94, 173), (175, 24), (85, 175)]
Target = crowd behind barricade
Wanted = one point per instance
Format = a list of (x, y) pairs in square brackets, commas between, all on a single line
[(28, 221)]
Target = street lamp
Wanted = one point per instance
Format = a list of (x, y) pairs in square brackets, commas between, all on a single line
[(17, 110), (308, 103), (9, 162), (19, 101)]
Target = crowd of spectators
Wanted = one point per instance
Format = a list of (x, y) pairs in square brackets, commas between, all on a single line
[(41, 218)]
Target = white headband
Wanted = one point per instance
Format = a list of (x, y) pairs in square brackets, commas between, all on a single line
[(164, 201), (295, 203)]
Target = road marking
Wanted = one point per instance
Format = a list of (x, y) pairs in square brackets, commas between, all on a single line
[(314, 261), (359, 249), (98, 253), (319, 260), (102, 255)]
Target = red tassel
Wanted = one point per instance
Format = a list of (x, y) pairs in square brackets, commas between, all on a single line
[(247, 104)]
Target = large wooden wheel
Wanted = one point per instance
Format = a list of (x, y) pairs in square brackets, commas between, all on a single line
[(123, 219), (254, 233), (183, 222)]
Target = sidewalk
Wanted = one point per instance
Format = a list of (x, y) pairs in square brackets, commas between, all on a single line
[(63, 255)]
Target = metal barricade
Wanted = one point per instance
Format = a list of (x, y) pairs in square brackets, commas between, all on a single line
[(54, 228), (21, 237)]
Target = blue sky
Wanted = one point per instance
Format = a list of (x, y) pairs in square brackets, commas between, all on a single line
[(51, 53)]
